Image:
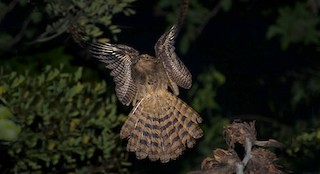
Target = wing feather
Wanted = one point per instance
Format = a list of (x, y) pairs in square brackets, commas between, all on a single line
[(174, 67), (118, 58)]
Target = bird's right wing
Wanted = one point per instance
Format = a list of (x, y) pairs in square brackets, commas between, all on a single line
[(174, 67), (165, 51), (119, 58)]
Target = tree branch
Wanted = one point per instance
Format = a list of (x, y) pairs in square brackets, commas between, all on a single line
[(12, 4), (43, 38), (212, 13), (21, 33)]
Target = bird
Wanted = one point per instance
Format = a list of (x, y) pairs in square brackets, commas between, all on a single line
[(160, 125)]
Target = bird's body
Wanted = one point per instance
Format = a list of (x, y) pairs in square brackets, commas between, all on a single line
[(149, 75), (160, 125)]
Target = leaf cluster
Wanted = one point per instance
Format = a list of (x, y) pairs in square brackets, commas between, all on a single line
[(66, 125), (41, 21), (296, 24)]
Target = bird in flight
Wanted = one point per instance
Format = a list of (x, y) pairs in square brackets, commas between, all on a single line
[(160, 126)]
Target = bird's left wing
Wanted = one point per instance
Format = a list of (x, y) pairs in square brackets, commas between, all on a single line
[(120, 59)]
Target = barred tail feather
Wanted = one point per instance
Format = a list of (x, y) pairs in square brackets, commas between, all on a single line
[(160, 127)]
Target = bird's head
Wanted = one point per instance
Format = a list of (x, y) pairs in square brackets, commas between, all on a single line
[(146, 63)]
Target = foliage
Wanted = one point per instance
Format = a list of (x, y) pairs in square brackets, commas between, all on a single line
[(205, 90), (306, 88), (203, 99), (35, 62), (296, 24), (302, 146), (306, 142), (57, 17), (303, 137), (67, 125)]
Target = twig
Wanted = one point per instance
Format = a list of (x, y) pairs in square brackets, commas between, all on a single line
[(48, 38), (212, 13), (261, 118), (247, 157), (21, 33), (240, 168), (42, 37), (8, 9), (248, 148), (269, 143)]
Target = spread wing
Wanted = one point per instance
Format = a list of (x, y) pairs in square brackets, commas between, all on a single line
[(119, 58), (174, 67)]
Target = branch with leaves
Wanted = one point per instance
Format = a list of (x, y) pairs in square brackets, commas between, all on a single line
[(46, 20)]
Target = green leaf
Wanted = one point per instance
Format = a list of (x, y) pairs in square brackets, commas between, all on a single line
[(106, 20), (226, 5), (5, 112), (78, 74), (52, 74), (5, 38), (36, 17), (9, 130), (23, 2), (17, 81), (75, 90), (2, 6)]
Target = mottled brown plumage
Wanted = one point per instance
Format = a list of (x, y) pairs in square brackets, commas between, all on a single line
[(160, 125)]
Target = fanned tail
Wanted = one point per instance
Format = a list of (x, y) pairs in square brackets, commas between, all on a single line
[(161, 126)]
